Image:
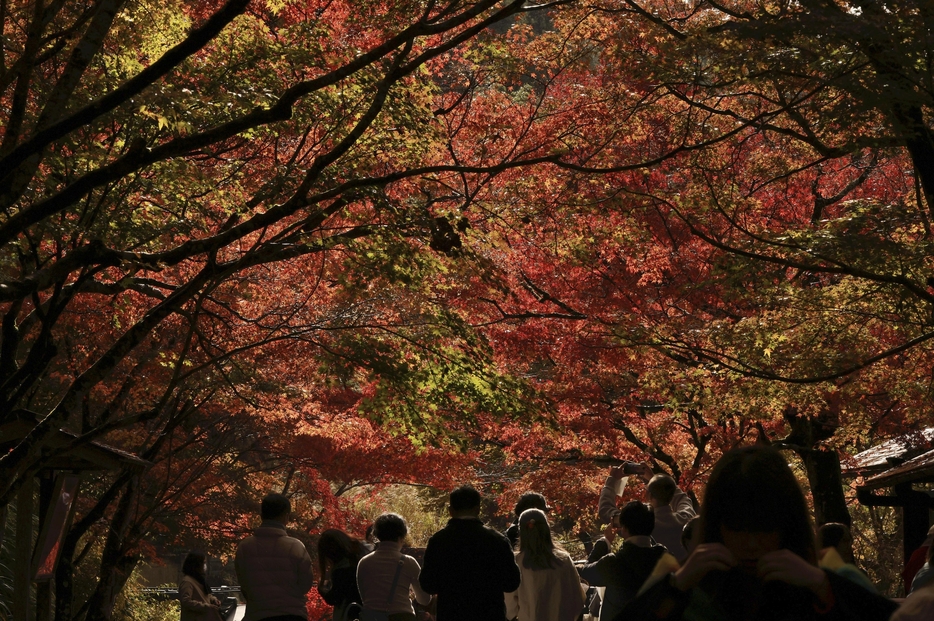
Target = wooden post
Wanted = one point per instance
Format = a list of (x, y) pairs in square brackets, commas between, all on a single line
[(3, 514), (44, 588), (22, 572)]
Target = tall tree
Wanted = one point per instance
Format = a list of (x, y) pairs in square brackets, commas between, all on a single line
[(735, 243)]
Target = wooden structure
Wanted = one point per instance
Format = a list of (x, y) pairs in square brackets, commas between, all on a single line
[(900, 465), (58, 486)]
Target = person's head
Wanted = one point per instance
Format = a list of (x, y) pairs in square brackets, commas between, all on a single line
[(753, 505), (535, 540), (838, 536), (636, 518), (195, 564), (334, 546), (690, 533), (390, 527), (276, 507), (660, 490), (531, 500), (465, 502), (930, 537)]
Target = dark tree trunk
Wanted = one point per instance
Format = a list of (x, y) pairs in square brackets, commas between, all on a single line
[(826, 480), (822, 465), (116, 564)]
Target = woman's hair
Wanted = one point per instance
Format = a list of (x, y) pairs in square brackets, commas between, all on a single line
[(753, 489), (535, 543), (193, 566), (390, 527), (335, 545)]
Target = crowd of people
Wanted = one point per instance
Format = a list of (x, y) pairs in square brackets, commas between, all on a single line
[(751, 553)]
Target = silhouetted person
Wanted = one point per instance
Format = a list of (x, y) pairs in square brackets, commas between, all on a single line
[(194, 594), (528, 500), (467, 565), (625, 571), (756, 557), (338, 555), (690, 534), (835, 552), (274, 570)]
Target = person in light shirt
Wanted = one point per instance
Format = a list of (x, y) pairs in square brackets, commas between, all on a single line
[(386, 577), (550, 589)]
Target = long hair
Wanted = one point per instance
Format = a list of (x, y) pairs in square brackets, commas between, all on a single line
[(193, 566), (335, 545), (535, 542), (753, 489)]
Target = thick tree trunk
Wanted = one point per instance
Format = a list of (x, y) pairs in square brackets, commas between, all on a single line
[(116, 564), (920, 144), (821, 465), (826, 480)]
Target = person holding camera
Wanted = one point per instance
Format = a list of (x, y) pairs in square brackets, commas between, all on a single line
[(672, 507)]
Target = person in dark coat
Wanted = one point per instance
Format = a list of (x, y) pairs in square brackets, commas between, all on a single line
[(624, 572), (338, 555), (468, 565)]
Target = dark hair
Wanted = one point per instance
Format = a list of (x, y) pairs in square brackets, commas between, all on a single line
[(193, 566), (830, 535), (531, 500), (464, 498), (335, 545), (753, 489), (637, 517), (661, 488), (390, 527), (535, 542), (274, 505)]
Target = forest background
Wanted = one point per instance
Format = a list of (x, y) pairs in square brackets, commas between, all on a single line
[(331, 246)]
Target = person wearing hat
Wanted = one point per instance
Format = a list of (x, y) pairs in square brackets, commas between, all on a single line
[(528, 500)]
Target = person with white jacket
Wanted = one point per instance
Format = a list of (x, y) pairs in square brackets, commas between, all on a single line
[(550, 589)]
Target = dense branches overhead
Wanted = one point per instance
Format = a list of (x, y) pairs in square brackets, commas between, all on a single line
[(160, 168), (736, 240)]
